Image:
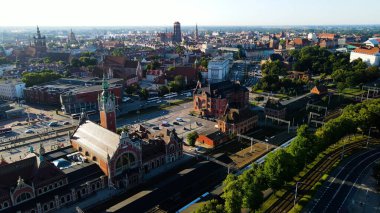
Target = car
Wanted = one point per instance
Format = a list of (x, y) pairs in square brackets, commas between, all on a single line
[(60, 139), (54, 123), (176, 123), (156, 128), (126, 99), (179, 119), (165, 123), (28, 131), (65, 123)]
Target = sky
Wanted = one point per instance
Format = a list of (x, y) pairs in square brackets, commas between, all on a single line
[(188, 12)]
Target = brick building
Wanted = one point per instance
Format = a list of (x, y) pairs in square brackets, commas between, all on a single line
[(237, 121), (213, 99), (121, 67), (275, 109), (211, 139)]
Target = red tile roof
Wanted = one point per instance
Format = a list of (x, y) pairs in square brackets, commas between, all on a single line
[(370, 51)]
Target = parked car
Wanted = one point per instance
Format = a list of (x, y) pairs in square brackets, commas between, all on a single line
[(28, 131), (65, 123), (175, 123), (156, 128)]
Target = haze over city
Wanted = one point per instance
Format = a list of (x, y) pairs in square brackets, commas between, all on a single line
[(198, 106), (204, 12)]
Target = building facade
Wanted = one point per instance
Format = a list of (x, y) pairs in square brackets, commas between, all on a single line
[(177, 36), (369, 55), (237, 121), (275, 109), (214, 99), (218, 69), (12, 89)]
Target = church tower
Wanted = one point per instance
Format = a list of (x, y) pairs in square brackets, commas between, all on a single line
[(40, 43), (107, 107)]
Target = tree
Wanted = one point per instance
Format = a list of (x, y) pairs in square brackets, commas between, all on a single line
[(274, 68), (180, 81), (232, 194), (171, 68), (144, 93), (204, 62), (118, 52), (211, 206), (191, 138), (163, 90), (35, 78), (279, 167)]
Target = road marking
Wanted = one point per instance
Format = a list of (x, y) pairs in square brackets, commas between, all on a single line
[(333, 180), (345, 178), (354, 185)]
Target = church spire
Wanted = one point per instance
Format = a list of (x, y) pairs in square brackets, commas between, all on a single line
[(38, 32)]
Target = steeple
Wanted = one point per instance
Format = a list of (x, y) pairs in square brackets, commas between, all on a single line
[(38, 32), (196, 32), (107, 107)]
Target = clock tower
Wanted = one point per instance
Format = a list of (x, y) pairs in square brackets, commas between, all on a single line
[(107, 107)]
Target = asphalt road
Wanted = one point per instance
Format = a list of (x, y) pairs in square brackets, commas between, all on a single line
[(335, 193)]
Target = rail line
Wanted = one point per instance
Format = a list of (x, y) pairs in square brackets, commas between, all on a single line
[(286, 202)]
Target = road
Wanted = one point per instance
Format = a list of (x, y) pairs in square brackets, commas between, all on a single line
[(335, 193)]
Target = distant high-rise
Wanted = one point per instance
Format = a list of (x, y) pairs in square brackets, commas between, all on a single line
[(196, 32), (177, 37)]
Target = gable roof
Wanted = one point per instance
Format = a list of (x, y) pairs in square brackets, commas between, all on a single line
[(97, 139), (367, 51)]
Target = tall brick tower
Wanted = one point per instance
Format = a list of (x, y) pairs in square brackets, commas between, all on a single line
[(107, 107)]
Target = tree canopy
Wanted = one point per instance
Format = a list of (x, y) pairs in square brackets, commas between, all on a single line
[(35, 78)]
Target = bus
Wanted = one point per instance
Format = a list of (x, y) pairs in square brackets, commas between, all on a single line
[(5, 130), (154, 99)]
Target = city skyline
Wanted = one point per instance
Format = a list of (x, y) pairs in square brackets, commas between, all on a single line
[(206, 13)]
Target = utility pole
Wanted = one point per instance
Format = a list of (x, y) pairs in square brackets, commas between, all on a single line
[(295, 195), (369, 134)]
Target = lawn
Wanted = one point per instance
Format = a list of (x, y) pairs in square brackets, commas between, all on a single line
[(353, 91)]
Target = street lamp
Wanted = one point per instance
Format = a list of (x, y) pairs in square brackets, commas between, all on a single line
[(369, 134), (295, 195)]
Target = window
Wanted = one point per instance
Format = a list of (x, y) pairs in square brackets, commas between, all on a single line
[(93, 187), (32, 211), (87, 154), (45, 189), (62, 200), (50, 187), (23, 196), (68, 198), (5, 204), (83, 191), (97, 185), (45, 207), (55, 185), (61, 182), (94, 158), (40, 191), (80, 149), (51, 204)]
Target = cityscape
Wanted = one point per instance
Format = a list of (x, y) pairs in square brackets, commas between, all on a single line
[(197, 107)]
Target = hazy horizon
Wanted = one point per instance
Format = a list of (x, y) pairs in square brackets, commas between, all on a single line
[(118, 13)]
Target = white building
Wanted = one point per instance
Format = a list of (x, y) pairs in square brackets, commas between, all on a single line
[(372, 42), (218, 69), (371, 56), (12, 89)]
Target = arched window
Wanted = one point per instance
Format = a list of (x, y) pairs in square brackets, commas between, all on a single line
[(60, 182), (94, 158), (32, 211), (87, 154), (80, 149), (55, 185), (5, 204), (97, 185), (23, 196), (51, 204), (68, 198), (50, 187), (45, 207), (62, 200), (125, 161), (40, 191)]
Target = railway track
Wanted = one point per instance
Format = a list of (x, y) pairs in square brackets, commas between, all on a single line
[(286, 202), (26, 139)]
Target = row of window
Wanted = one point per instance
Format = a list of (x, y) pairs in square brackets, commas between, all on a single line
[(50, 187)]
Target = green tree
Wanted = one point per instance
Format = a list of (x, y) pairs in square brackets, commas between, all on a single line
[(163, 90), (274, 68), (279, 167), (118, 52), (144, 93), (211, 206), (180, 81), (232, 194), (35, 78), (192, 138)]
